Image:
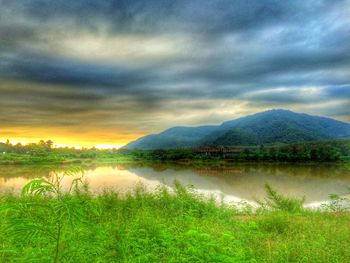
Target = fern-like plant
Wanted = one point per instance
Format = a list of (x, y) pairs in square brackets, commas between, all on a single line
[(46, 210)]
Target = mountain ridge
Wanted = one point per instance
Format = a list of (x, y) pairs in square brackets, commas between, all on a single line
[(272, 126)]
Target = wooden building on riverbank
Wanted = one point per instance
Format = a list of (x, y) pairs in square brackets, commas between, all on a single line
[(221, 151)]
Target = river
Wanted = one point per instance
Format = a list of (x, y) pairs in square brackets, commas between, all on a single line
[(241, 182)]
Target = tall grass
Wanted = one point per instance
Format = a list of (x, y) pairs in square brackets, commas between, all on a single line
[(276, 201), (45, 224)]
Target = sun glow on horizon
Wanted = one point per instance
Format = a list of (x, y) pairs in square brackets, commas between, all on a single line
[(86, 137), (63, 145)]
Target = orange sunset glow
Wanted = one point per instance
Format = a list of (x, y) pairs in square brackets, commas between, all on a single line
[(96, 139)]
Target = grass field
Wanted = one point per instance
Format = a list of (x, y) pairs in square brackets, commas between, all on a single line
[(45, 225)]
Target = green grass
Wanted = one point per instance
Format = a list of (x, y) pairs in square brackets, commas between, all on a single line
[(45, 225), (60, 159)]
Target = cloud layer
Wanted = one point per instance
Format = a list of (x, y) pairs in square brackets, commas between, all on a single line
[(121, 69)]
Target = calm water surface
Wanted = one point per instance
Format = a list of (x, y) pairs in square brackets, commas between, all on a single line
[(243, 182)]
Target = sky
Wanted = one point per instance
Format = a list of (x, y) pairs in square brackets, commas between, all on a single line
[(103, 73)]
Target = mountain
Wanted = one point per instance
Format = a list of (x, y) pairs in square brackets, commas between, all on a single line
[(177, 137), (273, 126)]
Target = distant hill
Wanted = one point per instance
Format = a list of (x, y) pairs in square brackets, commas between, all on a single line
[(177, 137), (273, 126)]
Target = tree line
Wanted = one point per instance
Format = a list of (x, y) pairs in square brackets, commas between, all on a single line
[(311, 151), (45, 148)]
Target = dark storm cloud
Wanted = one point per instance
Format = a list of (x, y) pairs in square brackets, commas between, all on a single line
[(113, 61), (49, 69), (200, 18), (145, 16), (338, 92)]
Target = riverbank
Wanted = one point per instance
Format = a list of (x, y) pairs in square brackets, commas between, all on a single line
[(335, 151), (53, 159), (166, 227)]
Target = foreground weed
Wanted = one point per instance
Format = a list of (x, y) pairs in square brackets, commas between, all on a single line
[(46, 224), (338, 203), (276, 201), (35, 219)]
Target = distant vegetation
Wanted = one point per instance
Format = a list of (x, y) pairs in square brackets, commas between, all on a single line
[(47, 225), (328, 151), (42, 152), (270, 127)]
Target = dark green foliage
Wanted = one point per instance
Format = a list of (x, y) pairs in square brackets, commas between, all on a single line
[(325, 151), (237, 136)]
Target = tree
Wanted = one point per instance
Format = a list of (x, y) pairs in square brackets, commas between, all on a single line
[(272, 153), (42, 143), (49, 144)]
